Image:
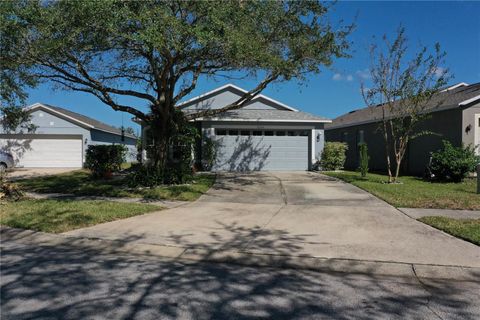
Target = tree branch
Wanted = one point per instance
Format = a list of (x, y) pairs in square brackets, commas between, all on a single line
[(244, 99)]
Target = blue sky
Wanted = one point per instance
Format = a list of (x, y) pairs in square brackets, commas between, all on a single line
[(455, 25)]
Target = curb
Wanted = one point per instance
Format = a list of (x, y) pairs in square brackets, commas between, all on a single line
[(245, 258)]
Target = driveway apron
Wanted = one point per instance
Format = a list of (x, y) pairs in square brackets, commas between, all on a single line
[(293, 213)]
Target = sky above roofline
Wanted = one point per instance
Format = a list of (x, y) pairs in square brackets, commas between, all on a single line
[(336, 90)]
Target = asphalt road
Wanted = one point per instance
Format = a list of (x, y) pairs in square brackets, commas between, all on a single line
[(66, 282)]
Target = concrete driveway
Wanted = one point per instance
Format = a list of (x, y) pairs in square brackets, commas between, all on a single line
[(301, 213)]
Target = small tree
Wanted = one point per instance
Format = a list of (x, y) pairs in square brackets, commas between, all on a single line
[(402, 89), (364, 158), (333, 156)]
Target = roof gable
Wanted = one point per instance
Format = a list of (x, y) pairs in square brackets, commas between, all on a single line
[(228, 94), (78, 119)]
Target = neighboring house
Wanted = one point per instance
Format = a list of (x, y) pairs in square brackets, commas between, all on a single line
[(61, 138), (263, 135), (454, 115)]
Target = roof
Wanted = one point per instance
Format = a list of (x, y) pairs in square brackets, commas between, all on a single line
[(266, 116), (81, 119), (456, 96), (236, 88)]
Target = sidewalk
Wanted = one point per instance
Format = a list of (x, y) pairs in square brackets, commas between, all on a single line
[(328, 265), (417, 213)]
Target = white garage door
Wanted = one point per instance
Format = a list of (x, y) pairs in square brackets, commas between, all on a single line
[(255, 150), (45, 153)]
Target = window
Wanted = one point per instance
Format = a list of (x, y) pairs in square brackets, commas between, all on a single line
[(233, 132), (268, 133), (220, 132), (280, 133), (257, 133), (244, 133), (303, 133), (291, 133)]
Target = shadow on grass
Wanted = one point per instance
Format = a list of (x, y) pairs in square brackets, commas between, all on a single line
[(75, 281)]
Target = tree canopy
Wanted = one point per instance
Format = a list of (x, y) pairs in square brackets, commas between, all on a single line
[(154, 52)]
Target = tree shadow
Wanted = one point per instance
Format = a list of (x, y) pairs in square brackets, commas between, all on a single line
[(246, 156), (72, 280), (16, 147)]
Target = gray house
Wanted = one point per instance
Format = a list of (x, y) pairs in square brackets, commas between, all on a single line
[(61, 138), (454, 116), (263, 135)]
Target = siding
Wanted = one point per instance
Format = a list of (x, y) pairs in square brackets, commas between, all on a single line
[(445, 124)]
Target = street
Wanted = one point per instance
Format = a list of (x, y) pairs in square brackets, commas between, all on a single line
[(70, 282)]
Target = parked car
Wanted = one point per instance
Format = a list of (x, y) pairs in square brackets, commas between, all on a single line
[(6, 161)]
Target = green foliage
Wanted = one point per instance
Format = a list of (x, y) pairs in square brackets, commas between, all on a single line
[(467, 229), (156, 51), (209, 153), (333, 156), (103, 160), (364, 158), (403, 86), (453, 163)]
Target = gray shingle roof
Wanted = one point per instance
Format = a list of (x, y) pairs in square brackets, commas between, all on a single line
[(95, 123), (441, 101), (265, 115)]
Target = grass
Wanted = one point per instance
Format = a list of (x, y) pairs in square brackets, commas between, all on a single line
[(414, 192), (467, 229), (81, 184), (63, 215)]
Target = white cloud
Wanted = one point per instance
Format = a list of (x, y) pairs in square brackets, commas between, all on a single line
[(363, 74), (439, 71), (340, 77), (337, 77)]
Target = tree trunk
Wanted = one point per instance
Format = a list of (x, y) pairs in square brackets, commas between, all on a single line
[(387, 151), (158, 153)]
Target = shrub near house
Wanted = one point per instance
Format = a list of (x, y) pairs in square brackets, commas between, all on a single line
[(333, 156), (103, 160)]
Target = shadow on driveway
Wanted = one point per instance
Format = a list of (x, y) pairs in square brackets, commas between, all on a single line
[(76, 282)]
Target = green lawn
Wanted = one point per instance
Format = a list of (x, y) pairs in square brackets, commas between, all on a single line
[(63, 215), (414, 192), (467, 229), (80, 183)]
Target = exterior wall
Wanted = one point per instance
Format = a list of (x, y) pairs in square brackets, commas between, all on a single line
[(469, 125), (445, 124), (50, 124), (101, 137), (225, 97)]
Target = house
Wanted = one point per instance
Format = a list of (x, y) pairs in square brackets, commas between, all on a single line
[(454, 115), (263, 135), (61, 138)]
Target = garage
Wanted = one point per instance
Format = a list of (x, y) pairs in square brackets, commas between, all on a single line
[(45, 151), (255, 150)]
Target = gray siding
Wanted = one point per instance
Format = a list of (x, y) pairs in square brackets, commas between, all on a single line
[(445, 124), (468, 121), (229, 95), (101, 137), (50, 124)]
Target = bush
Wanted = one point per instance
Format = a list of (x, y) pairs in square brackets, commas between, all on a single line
[(333, 156), (103, 160), (364, 158), (453, 163)]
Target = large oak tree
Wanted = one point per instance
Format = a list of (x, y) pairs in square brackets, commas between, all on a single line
[(156, 51)]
